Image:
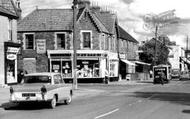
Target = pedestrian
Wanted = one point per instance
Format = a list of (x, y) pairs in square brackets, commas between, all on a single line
[(106, 80), (151, 73), (162, 77), (20, 76)]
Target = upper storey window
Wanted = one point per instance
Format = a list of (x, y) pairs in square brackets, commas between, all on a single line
[(86, 38), (29, 41)]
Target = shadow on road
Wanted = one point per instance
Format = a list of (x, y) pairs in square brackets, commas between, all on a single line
[(172, 97), (186, 111), (25, 106)]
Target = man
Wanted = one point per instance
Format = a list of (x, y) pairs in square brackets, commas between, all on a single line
[(162, 77), (106, 77)]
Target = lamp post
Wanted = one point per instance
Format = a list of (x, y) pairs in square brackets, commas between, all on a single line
[(75, 83)]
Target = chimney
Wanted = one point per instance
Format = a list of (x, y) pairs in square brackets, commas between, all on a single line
[(19, 11), (83, 3), (95, 9)]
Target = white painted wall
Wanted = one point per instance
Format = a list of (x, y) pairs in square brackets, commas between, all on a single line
[(4, 23)]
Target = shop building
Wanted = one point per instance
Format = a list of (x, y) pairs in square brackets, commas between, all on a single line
[(128, 47), (9, 46), (47, 38)]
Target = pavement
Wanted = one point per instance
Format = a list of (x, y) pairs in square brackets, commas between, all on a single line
[(78, 93)]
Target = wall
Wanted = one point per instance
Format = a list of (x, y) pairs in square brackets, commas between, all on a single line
[(3, 37)]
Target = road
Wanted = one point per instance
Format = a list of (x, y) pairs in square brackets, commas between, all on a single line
[(117, 102)]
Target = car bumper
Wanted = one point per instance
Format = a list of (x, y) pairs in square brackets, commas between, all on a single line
[(16, 97)]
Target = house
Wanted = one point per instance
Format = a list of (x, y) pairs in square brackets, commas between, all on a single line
[(127, 52), (177, 58), (9, 46), (47, 38)]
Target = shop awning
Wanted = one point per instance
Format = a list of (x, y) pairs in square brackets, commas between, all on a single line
[(186, 60), (143, 63), (128, 62)]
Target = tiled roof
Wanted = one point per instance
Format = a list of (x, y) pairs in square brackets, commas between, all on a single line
[(47, 20), (126, 36), (107, 19), (7, 8)]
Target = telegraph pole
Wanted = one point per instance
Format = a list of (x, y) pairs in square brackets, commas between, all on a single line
[(154, 22), (155, 47), (75, 82)]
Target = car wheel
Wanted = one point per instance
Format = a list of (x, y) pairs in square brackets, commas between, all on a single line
[(68, 100), (53, 102)]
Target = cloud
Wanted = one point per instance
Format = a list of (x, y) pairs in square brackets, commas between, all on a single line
[(130, 13), (127, 1)]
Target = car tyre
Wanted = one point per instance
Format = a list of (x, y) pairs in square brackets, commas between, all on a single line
[(53, 102), (68, 100)]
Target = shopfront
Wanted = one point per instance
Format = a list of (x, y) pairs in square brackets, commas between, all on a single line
[(10, 52), (88, 63)]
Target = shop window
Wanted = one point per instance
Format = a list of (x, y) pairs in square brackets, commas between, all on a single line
[(29, 41), (57, 79), (60, 40), (112, 69), (87, 68), (67, 68), (56, 66), (86, 39)]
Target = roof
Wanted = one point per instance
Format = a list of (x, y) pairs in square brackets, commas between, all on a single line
[(107, 19), (47, 19), (126, 36), (7, 8), (61, 19), (97, 22)]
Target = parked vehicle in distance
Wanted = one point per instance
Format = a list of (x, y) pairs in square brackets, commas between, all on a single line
[(184, 75), (161, 74), (42, 87), (175, 73)]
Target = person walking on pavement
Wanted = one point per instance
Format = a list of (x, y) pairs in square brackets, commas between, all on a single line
[(162, 77), (106, 80)]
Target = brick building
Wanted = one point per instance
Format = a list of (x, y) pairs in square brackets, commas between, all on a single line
[(47, 34), (9, 47)]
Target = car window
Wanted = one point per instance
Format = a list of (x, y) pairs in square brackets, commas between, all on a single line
[(37, 79), (56, 79)]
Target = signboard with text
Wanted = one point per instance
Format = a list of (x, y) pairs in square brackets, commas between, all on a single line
[(41, 46)]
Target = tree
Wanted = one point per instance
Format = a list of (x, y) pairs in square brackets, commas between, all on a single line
[(161, 57)]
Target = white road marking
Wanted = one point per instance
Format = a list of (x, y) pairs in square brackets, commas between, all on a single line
[(105, 114)]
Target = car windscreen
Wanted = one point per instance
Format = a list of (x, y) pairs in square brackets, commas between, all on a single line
[(37, 79)]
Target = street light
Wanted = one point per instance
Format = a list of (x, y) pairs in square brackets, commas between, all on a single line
[(75, 83)]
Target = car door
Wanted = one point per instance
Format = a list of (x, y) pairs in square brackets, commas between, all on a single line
[(62, 90)]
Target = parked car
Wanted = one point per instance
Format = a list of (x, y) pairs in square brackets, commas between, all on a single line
[(175, 73), (184, 75), (42, 87)]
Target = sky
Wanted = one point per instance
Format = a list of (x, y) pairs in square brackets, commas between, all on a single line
[(130, 15)]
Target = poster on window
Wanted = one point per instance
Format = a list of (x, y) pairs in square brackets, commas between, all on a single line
[(41, 46)]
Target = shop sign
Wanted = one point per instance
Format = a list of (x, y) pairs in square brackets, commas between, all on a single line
[(41, 45), (11, 56), (12, 50)]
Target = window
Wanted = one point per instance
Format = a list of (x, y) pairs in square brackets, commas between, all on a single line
[(86, 39), (60, 41), (58, 79), (29, 41)]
